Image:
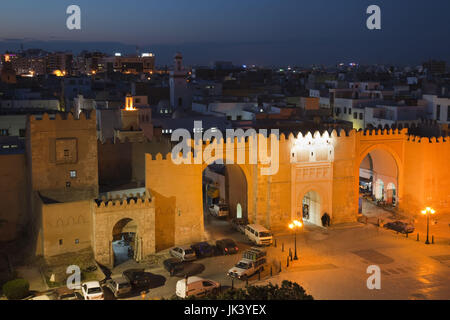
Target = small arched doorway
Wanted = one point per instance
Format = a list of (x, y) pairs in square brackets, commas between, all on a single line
[(124, 243), (238, 211), (379, 190), (311, 208), (391, 194)]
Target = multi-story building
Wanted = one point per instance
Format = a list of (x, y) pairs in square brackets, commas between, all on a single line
[(132, 64), (438, 109), (59, 61)]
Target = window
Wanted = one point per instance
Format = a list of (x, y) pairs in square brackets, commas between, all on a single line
[(438, 112), (349, 110), (355, 115), (448, 113), (77, 241), (338, 111), (345, 110), (67, 184), (73, 174), (361, 116), (60, 242), (4, 132), (239, 118)]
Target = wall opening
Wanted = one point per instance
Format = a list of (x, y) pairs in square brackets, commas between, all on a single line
[(311, 208), (378, 182), (238, 211), (124, 243), (224, 197)]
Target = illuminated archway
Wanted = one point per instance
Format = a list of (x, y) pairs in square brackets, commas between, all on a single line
[(379, 176)]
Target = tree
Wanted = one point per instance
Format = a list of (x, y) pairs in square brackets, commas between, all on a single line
[(16, 289), (288, 291)]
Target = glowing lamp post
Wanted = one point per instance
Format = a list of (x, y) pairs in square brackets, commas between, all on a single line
[(427, 212), (294, 225)]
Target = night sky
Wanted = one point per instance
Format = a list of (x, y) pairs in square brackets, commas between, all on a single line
[(275, 32)]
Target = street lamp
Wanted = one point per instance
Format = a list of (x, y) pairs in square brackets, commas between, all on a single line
[(294, 225), (427, 212)]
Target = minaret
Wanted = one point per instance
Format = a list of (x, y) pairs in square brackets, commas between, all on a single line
[(180, 97)]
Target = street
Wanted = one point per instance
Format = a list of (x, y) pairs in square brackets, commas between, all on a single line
[(333, 263)]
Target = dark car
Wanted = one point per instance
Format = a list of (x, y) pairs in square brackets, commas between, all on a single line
[(138, 278), (400, 226), (173, 266), (203, 249), (227, 246)]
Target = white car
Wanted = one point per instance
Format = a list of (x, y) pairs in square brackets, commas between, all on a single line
[(195, 286), (92, 291), (184, 253)]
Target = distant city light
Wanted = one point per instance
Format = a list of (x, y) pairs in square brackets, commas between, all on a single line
[(244, 66), (59, 73), (147, 55), (118, 54)]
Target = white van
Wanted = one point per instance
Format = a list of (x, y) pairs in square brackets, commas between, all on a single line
[(258, 234), (195, 286)]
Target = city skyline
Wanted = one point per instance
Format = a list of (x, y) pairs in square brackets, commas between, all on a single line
[(262, 33)]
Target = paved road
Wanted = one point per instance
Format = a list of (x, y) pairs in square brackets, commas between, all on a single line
[(332, 264)]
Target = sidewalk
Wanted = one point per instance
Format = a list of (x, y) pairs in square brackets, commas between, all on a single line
[(34, 276)]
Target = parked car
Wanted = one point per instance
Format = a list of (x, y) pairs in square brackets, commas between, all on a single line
[(183, 253), (195, 286), (173, 266), (119, 286), (67, 294), (227, 246), (138, 278), (253, 261), (42, 297), (92, 291), (239, 224), (203, 249), (400, 226), (258, 234)]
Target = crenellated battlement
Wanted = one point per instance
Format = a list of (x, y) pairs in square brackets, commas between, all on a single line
[(123, 201), (384, 132), (123, 141), (430, 140)]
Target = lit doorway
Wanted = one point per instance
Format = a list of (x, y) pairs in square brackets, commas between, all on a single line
[(238, 211), (311, 208)]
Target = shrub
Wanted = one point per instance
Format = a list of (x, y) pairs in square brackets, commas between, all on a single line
[(16, 289), (288, 291)]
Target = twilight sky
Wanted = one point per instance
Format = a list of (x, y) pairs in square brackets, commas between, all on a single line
[(282, 32)]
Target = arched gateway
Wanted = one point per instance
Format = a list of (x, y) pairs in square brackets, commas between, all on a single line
[(327, 163), (124, 222)]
